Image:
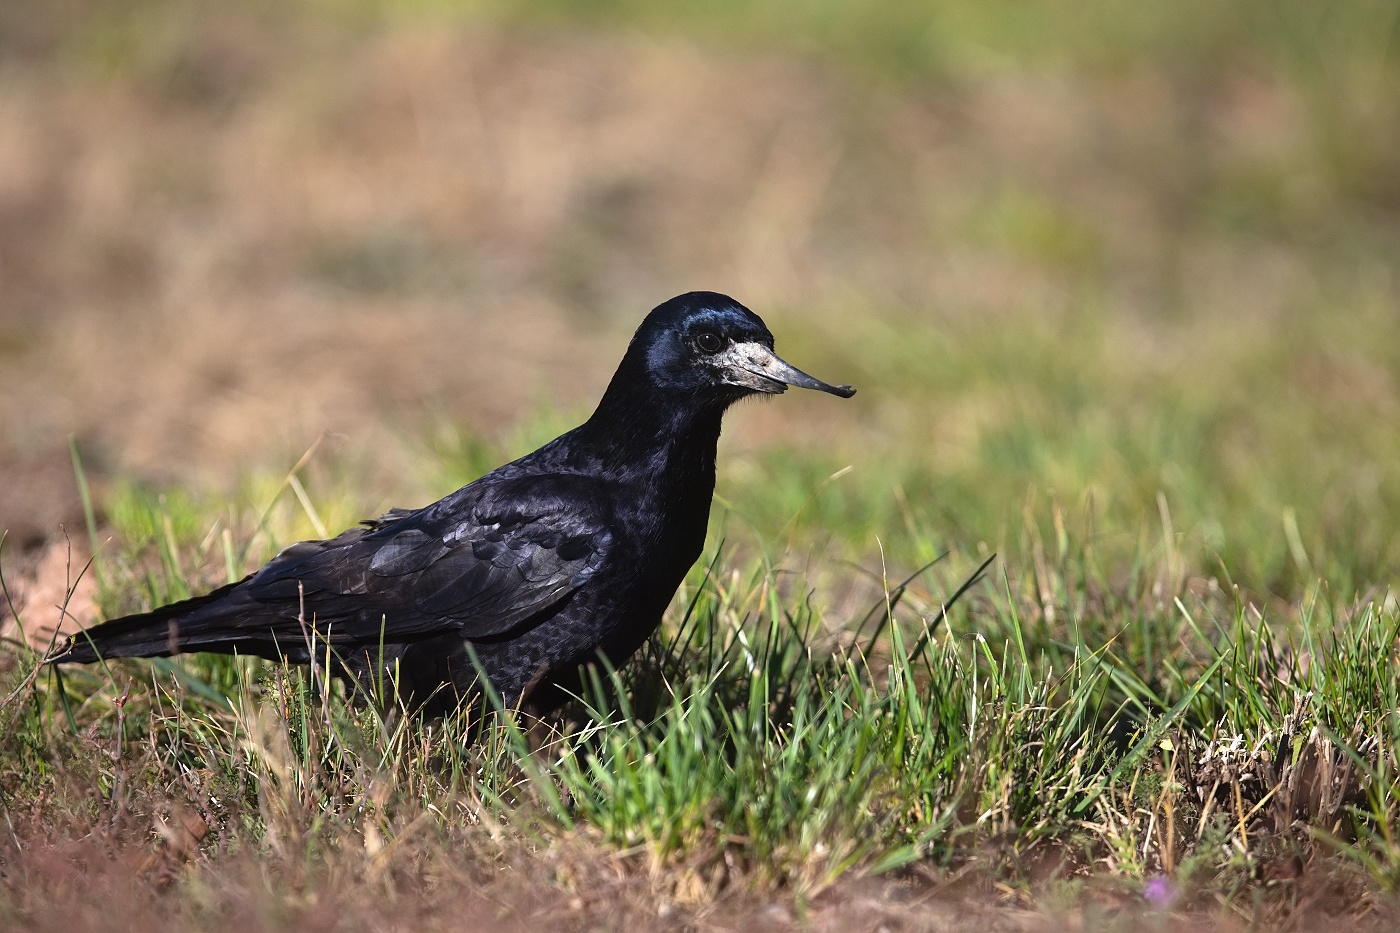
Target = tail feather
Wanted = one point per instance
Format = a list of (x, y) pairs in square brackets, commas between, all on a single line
[(199, 624)]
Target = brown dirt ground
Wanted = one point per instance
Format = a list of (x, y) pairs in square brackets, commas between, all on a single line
[(75, 874)]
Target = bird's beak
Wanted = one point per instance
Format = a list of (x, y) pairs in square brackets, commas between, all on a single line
[(754, 366)]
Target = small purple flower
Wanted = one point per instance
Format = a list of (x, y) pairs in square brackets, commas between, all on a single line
[(1160, 892)]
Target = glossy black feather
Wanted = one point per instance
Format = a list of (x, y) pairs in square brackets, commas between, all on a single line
[(524, 574)]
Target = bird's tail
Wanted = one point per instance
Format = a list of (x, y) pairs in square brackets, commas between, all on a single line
[(198, 624)]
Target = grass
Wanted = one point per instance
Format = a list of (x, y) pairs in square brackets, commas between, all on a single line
[(1103, 704)]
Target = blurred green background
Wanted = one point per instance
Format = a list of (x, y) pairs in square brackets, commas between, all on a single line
[(1114, 272)]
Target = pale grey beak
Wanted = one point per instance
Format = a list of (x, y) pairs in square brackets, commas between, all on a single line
[(754, 366)]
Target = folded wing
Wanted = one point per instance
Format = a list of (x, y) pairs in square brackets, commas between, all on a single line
[(480, 563)]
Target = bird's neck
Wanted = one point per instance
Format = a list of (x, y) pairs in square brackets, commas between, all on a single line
[(636, 433)]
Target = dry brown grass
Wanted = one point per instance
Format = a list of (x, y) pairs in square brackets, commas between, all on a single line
[(88, 868), (226, 242)]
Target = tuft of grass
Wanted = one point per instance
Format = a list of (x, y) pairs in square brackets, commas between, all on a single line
[(1054, 714)]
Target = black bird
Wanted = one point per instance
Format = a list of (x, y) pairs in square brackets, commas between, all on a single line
[(533, 569)]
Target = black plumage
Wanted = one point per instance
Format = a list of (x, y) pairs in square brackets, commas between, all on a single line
[(524, 574)]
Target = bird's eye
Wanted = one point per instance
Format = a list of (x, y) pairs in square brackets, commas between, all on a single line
[(708, 342)]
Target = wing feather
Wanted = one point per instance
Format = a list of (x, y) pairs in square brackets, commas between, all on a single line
[(478, 567)]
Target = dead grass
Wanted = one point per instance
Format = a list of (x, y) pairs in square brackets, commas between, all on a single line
[(79, 869), (368, 217)]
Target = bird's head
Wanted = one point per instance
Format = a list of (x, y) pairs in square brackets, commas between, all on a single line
[(710, 345)]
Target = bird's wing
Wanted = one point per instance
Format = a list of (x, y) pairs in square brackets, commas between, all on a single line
[(388, 518), (477, 567)]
